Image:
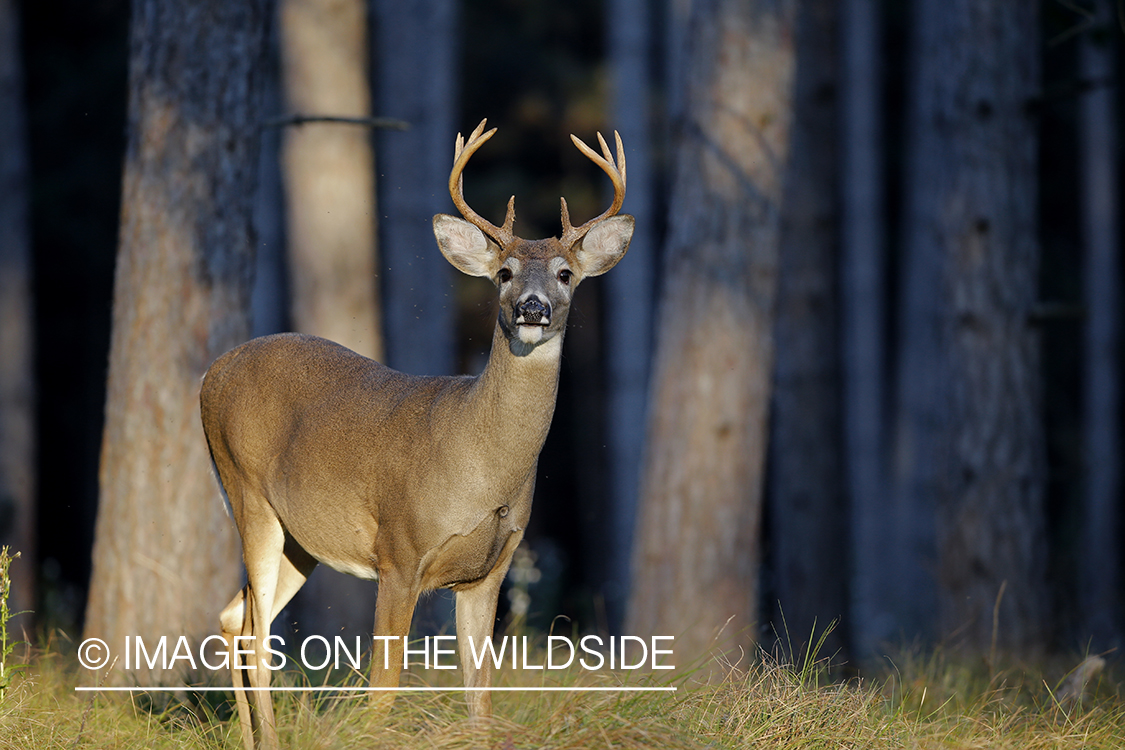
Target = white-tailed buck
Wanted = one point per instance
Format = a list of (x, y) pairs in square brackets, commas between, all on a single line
[(419, 482)]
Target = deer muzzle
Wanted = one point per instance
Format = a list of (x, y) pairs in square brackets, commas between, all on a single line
[(533, 312), (532, 316)]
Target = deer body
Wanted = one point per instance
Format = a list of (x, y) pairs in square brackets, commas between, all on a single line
[(432, 488), (420, 482)]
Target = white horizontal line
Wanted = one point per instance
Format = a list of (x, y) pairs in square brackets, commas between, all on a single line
[(285, 689)]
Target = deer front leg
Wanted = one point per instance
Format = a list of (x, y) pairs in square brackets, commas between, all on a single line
[(476, 620), (394, 610)]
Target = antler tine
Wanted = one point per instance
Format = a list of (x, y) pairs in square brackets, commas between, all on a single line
[(616, 173), (462, 152)]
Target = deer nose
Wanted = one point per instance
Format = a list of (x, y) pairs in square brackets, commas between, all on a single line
[(533, 311)]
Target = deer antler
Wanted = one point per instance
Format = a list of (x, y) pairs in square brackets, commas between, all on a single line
[(461, 154), (571, 234)]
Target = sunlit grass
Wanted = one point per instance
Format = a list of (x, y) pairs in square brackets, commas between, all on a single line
[(920, 700)]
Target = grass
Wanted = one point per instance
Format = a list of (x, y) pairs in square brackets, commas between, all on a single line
[(921, 701)]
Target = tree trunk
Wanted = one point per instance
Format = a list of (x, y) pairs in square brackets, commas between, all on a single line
[(17, 372), (629, 291), (1100, 574), (970, 436), (165, 555), (862, 335), (416, 52), (329, 176), (695, 564), (807, 499), (417, 45), (269, 301)]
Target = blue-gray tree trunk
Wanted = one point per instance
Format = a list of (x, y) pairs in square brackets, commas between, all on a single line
[(863, 326), (416, 55), (416, 65), (630, 288), (1100, 549), (969, 463), (809, 520)]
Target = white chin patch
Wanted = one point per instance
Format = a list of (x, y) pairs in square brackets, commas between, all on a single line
[(531, 334)]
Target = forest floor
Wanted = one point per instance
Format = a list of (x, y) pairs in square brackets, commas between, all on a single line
[(931, 701)]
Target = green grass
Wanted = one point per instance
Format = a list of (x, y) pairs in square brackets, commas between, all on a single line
[(919, 701)]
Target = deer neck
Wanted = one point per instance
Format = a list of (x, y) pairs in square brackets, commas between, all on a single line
[(513, 400)]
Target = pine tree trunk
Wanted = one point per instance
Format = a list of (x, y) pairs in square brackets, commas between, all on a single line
[(166, 556), (630, 291), (17, 371), (329, 174), (1100, 574), (416, 51), (971, 440), (269, 301), (328, 170), (695, 565), (863, 329), (807, 500)]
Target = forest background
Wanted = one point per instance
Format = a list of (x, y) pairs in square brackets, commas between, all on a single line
[(910, 287)]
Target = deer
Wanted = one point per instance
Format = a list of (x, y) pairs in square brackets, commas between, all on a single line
[(418, 482)]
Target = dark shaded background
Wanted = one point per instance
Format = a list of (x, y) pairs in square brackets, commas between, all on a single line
[(536, 70)]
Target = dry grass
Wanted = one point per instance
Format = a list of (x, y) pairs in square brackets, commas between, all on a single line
[(920, 702)]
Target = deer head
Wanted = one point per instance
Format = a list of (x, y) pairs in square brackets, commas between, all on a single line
[(536, 278)]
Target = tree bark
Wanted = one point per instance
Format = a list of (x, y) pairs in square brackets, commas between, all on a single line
[(1100, 574), (417, 45), (165, 555), (630, 290), (697, 543), (808, 513), (416, 60), (970, 440), (17, 370), (328, 170), (329, 174), (863, 329), (269, 301)]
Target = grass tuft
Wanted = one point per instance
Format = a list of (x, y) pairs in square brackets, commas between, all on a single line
[(8, 671)]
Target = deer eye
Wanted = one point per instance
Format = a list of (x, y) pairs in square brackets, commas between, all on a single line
[(505, 275), (564, 277)]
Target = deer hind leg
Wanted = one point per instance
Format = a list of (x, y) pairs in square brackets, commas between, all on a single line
[(296, 566), (233, 619), (250, 613), (394, 610)]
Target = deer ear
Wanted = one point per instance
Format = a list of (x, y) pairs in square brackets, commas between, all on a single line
[(466, 247), (604, 245)]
